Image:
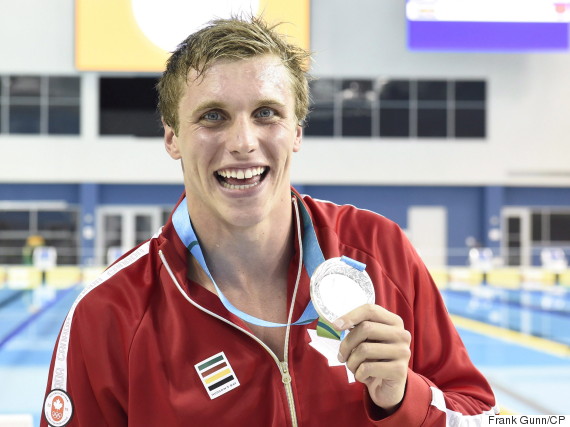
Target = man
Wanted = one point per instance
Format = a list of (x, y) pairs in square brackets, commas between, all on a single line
[(208, 322)]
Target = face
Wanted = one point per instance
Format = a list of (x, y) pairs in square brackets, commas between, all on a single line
[(237, 135)]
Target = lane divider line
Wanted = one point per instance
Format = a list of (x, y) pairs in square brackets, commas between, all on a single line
[(530, 341), (23, 325)]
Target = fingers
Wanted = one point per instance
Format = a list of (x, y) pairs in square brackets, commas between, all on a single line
[(375, 332), (370, 312), (368, 354), (377, 351), (374, 325), (386, 382), (387, 371)]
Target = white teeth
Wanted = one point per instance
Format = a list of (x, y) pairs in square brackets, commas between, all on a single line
[(239, 187), (241, 173)]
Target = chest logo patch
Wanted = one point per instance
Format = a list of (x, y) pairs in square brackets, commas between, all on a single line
[(217, 375)]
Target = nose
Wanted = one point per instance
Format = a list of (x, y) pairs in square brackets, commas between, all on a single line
[(242, 138)]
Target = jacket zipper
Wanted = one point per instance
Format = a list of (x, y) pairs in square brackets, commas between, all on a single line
[(286, 378), (282, 366)]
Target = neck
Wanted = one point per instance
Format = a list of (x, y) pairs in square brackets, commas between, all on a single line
[(246, 258)]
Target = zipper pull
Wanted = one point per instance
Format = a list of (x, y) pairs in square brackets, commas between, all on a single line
[(285, 377)]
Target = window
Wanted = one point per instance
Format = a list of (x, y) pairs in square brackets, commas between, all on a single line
[(514, 240), (321, 115), (560, 227), (46, 105), (394, 110), (398, 108), (550, 227), (49, 220), (432, 109), (57, 226), (128, 106), (469, 98), (63, 105), (357, 98), (25, 107), (537, 227), (14, 220)]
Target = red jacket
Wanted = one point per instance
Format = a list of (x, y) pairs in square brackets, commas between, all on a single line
[(135, 350)]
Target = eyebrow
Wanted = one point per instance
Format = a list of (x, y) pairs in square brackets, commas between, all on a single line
[(269, 101)]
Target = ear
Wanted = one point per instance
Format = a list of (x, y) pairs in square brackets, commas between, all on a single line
[(298, 139), (171, 141)]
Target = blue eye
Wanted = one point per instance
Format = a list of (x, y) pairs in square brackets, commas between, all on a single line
[(212, 115), (265, 113)]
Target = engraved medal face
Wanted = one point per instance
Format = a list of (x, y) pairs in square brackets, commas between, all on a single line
[(337, 288)]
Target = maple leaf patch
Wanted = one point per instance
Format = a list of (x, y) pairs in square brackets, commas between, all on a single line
[(58, 408), (58, 404)]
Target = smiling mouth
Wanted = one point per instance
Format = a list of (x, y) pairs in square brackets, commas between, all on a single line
[(241, 179)]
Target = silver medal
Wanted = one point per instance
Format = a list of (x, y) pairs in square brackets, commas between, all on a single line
[(338, 287)]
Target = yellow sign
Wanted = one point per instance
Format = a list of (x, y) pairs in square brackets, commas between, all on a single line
[(131, 35)]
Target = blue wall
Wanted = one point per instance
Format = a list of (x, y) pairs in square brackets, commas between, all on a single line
[(124, 194), (464, 206), (30, 192), (469, 208), (537, 196)]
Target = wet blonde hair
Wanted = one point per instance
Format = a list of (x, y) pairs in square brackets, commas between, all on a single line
[(234, 39)]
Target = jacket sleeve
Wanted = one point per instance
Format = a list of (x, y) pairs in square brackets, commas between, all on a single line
[(90, 363), (443, 387), (87, 371)]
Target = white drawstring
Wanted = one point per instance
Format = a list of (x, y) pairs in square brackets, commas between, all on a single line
[(288, 328)]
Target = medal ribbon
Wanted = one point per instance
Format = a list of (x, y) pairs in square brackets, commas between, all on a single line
[(312, 258)]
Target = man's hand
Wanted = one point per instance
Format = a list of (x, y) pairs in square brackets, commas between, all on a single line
[(377, 351)]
